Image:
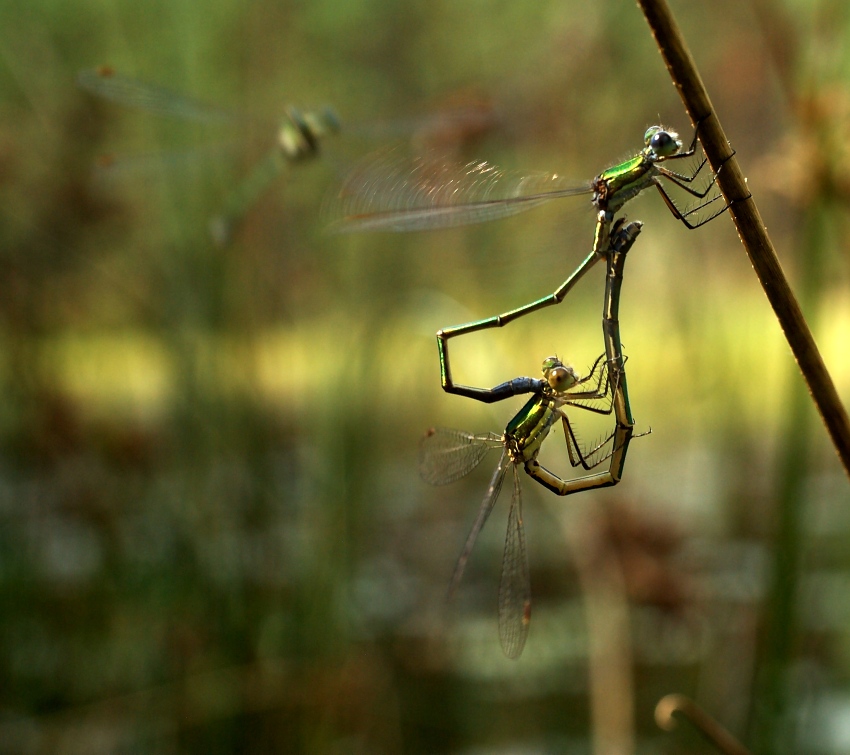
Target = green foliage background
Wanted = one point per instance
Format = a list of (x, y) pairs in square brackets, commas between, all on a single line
[(213, 537)]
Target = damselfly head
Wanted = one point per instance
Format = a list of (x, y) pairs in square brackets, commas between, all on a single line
[(662, 142), (551, 363), (301, 132), (560, 377)]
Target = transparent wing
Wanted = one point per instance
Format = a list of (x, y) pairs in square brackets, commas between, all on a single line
[(447, 455), (106, 83), (484, 510), (126, 167), (515, 587), (393, 192)]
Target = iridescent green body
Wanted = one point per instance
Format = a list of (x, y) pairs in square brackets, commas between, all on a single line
[(618, 184), (528, 429), (447, 455)]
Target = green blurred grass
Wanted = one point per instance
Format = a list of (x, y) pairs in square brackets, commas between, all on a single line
[(213, 534)]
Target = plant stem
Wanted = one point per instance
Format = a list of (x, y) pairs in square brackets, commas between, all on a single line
[(751, 229), (705, 724)]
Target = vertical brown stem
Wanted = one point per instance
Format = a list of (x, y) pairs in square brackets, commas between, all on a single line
[(751, 229)]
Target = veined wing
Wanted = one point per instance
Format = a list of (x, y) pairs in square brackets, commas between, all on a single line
[(515, 586), (489, 500), (447, 455), (106, 83), (395, 193)]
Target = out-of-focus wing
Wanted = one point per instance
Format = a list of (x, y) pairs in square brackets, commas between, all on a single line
[(393, 192), (447, 455), (515, 586), (105, 82)]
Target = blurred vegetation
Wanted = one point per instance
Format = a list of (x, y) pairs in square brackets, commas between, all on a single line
[(213, 537)]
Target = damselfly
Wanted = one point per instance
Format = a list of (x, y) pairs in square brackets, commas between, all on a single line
[(298, 138), (299, 135), (394, 193), (447, 455), (390, 195)]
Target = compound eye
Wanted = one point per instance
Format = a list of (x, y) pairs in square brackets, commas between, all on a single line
[(550, 363), (661, 141), (664, 144), (561, 378), (650, 134)]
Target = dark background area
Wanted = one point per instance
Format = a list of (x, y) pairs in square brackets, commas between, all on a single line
[(213, 535)]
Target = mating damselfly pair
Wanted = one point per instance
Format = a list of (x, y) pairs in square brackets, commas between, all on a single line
[(394, 193), (390, 194)]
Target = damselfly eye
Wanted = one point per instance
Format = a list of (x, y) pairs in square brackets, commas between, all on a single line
[(550, 363), (650, 134), (663, 143), (561, 378)]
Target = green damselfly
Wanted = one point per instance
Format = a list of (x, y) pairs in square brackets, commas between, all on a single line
[(447, 455), (299, 135), (389, 194)]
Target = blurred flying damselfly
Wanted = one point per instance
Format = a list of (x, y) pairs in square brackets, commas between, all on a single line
[(300, 134)]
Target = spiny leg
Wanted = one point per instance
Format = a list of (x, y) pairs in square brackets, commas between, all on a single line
[(577, 455), (683, 216), (588, 457), (677, 179), (577, 398), (691, 150), (682, 181)]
